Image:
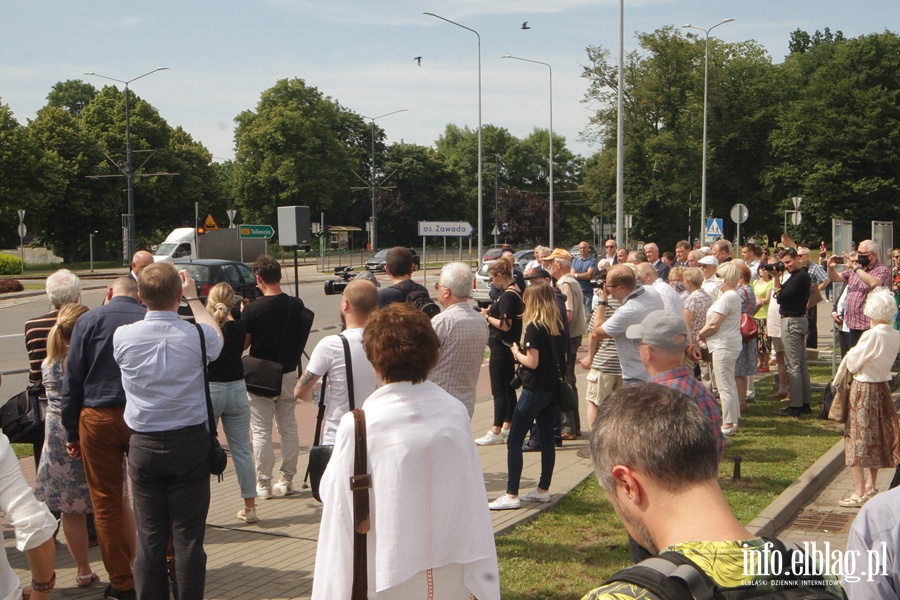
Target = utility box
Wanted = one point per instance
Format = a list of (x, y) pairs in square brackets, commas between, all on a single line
[(293, 226)]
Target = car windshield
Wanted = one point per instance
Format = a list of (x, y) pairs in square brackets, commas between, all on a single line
[(165, 249), (199, 273), (380, 255)]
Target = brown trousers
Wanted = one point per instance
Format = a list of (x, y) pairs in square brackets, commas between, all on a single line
[(104, 445)]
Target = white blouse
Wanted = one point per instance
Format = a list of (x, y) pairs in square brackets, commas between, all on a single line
[(871, 359)]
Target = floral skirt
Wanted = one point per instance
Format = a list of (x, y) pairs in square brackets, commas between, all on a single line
[(872, 433), (763, 341)]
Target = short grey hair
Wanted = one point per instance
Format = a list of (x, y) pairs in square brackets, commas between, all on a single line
[(684, 451), (457, 277), (880, 305), (564, 262), (63, 287), (543, 250), (871, 245)]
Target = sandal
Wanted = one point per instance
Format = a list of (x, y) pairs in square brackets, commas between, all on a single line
[(853, 501), (870, 494), (84, 581)]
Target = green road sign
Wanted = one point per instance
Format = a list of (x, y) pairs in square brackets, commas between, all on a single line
[(256, 232)]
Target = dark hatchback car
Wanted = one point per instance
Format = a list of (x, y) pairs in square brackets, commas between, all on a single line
[(376, 263), (208, 272)]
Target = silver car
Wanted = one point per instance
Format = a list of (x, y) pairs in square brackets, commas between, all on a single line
[(481, 284)]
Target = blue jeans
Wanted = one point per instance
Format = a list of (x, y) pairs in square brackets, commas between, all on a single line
[(539, 405), (230, 403)]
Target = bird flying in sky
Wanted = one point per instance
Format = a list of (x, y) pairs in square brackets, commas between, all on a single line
[(525, 25), (418, 60)]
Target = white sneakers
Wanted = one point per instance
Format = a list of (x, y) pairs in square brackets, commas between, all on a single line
[(247, 515), (283, 488), (490, 438), (536, 496), (265, 489), (505, 502)]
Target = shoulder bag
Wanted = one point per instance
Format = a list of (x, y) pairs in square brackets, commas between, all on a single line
[(218, 460), (565, 393), (360, 484), (319, 455), (263, 377), (749, 330), (22, 417)]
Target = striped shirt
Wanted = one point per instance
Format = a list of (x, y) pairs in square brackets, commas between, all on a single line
[(606, 360), (36, 332)]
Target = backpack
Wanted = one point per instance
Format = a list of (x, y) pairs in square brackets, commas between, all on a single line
[(418, 297), (673, 576)]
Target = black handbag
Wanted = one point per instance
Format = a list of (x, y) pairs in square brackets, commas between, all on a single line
[(319, 455), (263, 377), (565, 393), (218, 459), (22, 417)]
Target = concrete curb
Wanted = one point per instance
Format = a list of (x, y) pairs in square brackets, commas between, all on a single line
[(776, 515)]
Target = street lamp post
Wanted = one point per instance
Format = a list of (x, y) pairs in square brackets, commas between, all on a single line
[(373, 236), (620, 131), (705, 113), (537, 62), (129, 171), (91, 239), (480, 200)]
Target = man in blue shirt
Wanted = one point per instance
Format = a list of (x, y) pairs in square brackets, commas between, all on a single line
[(162, 374), (584, 268), (93, 414)]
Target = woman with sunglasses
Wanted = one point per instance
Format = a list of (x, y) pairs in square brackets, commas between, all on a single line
[(504, 318)]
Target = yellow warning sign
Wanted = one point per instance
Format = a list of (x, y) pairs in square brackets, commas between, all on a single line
[(210, 223)]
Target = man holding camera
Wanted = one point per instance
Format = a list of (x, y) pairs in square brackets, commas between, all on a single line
[(560, 266), (865, 275), (792, 291)]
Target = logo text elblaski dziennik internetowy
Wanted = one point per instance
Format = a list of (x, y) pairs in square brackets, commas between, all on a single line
[(850, 565)]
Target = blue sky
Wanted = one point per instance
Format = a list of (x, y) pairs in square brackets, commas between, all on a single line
[(223, 54)]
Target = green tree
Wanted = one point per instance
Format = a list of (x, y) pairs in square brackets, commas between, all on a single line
[(73, 206), (72, 95), (663, 95), (424, 187), (838, 143), (298, 148), (21, 162)]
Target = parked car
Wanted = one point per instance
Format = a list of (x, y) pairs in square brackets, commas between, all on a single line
[(208, 272), (376, 263), (481, 285), (523, 257), (493, 253)]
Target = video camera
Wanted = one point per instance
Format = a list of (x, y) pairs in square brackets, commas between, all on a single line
[(335, 287), (599, 281)]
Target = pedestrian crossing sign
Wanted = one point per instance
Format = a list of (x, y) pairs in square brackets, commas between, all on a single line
[(714, 228)]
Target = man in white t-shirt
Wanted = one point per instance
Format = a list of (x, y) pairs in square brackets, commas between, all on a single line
[(359, 299)]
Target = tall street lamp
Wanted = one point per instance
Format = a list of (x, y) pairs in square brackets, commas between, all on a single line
[(537, 62), (620, 132), (479, 226), (129, 171), (373, 236), (705, 112)]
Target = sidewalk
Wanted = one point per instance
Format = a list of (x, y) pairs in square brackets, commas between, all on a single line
[(274, 558)]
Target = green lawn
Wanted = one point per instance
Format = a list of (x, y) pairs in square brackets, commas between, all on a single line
[(575, 546)]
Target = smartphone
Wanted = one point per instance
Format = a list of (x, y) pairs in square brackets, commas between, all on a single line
[(838, 260)]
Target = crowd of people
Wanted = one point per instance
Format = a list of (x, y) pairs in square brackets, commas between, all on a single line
[(684, 331)]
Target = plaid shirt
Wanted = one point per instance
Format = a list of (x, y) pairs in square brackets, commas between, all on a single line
[(683, 380), (858, 290), (817, 273)]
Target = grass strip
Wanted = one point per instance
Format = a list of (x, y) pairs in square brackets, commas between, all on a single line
[(575, 546)]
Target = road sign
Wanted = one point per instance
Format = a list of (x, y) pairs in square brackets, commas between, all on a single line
[(445, 228), (256, 232), (210, 223), (796, 217), (714, 228), (797, 200), (739, 213), (22, 230)]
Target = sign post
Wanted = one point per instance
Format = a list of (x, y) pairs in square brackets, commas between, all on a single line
[(714, 228), (22, 232), (256, 232), (739, 214)]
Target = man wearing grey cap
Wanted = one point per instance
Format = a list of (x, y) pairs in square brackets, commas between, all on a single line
[(662, 342)]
